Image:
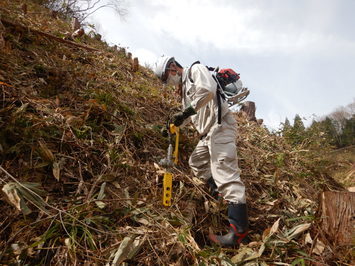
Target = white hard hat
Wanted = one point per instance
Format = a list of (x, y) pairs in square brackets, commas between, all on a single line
[(160, 66)]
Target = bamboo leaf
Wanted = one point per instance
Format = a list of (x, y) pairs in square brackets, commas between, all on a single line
[(270, 231), (21, 109), (12, 194), (18, 193), (45, 152), (245, 254), (295, 231), (128, 248), (56, 170), (101, 196), (319, 248), (102, 191)]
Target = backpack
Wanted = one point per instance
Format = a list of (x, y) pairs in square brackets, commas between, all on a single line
[(226, 76), (229, 86)]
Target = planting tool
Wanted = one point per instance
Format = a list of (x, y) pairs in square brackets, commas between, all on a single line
[(168, 162)]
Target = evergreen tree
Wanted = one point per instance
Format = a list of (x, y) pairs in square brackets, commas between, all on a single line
[(318, 136), (286, 127), (287, 124), (294, 134), (298, 130), (348, 134), (330, 131), (298, 125)]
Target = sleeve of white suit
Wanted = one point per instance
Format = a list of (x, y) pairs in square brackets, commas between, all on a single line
[(205, 86)]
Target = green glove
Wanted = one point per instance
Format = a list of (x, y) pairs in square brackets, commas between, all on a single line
[(180, 117)]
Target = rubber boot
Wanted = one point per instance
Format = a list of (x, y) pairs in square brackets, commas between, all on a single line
[(238, 230)]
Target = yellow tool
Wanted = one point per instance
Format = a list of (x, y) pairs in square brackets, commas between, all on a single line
[(168, 164), (175, 130), (167, 188)]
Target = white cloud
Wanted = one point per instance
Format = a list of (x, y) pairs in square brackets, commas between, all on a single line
[(147, 57), (243, 28)]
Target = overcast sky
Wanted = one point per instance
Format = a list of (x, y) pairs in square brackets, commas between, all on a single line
[(296, 57)]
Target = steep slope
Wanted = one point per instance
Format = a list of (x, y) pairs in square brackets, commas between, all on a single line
[(79, 146)]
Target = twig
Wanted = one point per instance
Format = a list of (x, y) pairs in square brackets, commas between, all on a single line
[(81, 185), (5, 84), (19, 231), (162, 263), (53, 207)]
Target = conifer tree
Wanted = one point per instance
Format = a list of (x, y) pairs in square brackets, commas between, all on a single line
[(330, 131), (348, 134), (298, 125), (286, 127)]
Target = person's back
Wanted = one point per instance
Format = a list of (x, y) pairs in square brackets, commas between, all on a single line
[(199, 89)]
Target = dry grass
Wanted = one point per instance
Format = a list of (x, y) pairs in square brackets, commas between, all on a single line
[(86, 129), (343, 165)]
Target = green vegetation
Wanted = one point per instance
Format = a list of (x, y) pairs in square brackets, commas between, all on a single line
[(336, 130), (331, 139)]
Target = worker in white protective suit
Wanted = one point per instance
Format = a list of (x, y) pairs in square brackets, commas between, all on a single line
[(215, 158)]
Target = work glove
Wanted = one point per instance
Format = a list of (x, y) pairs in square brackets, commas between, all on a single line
[(164, 132), (180, 117)]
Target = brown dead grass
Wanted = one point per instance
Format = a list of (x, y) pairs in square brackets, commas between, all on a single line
[(88, 116)]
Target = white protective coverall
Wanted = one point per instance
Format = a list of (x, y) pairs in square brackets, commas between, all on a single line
[(215, 155)]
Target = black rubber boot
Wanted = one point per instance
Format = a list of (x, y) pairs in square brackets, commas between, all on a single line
[(238, 219)]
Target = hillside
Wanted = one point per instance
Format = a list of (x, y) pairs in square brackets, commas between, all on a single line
[(343, 167), (80, 144)]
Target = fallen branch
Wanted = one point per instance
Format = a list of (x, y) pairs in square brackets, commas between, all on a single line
[(70, 43)]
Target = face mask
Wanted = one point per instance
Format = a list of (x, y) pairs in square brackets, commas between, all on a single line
[(174, 80)]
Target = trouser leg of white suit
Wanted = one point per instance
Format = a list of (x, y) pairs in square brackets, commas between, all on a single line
[(216, 156), (200, 161)]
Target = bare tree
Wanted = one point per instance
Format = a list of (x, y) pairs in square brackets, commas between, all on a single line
[(339, 116), (81, 9), (351, 107)]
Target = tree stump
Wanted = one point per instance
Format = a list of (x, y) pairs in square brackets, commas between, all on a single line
[(135, 64), (337, 217), (75, 24), (249, 108), (24, 9)]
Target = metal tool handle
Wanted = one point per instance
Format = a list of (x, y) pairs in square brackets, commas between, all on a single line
[(168, 177), (175, 130)]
